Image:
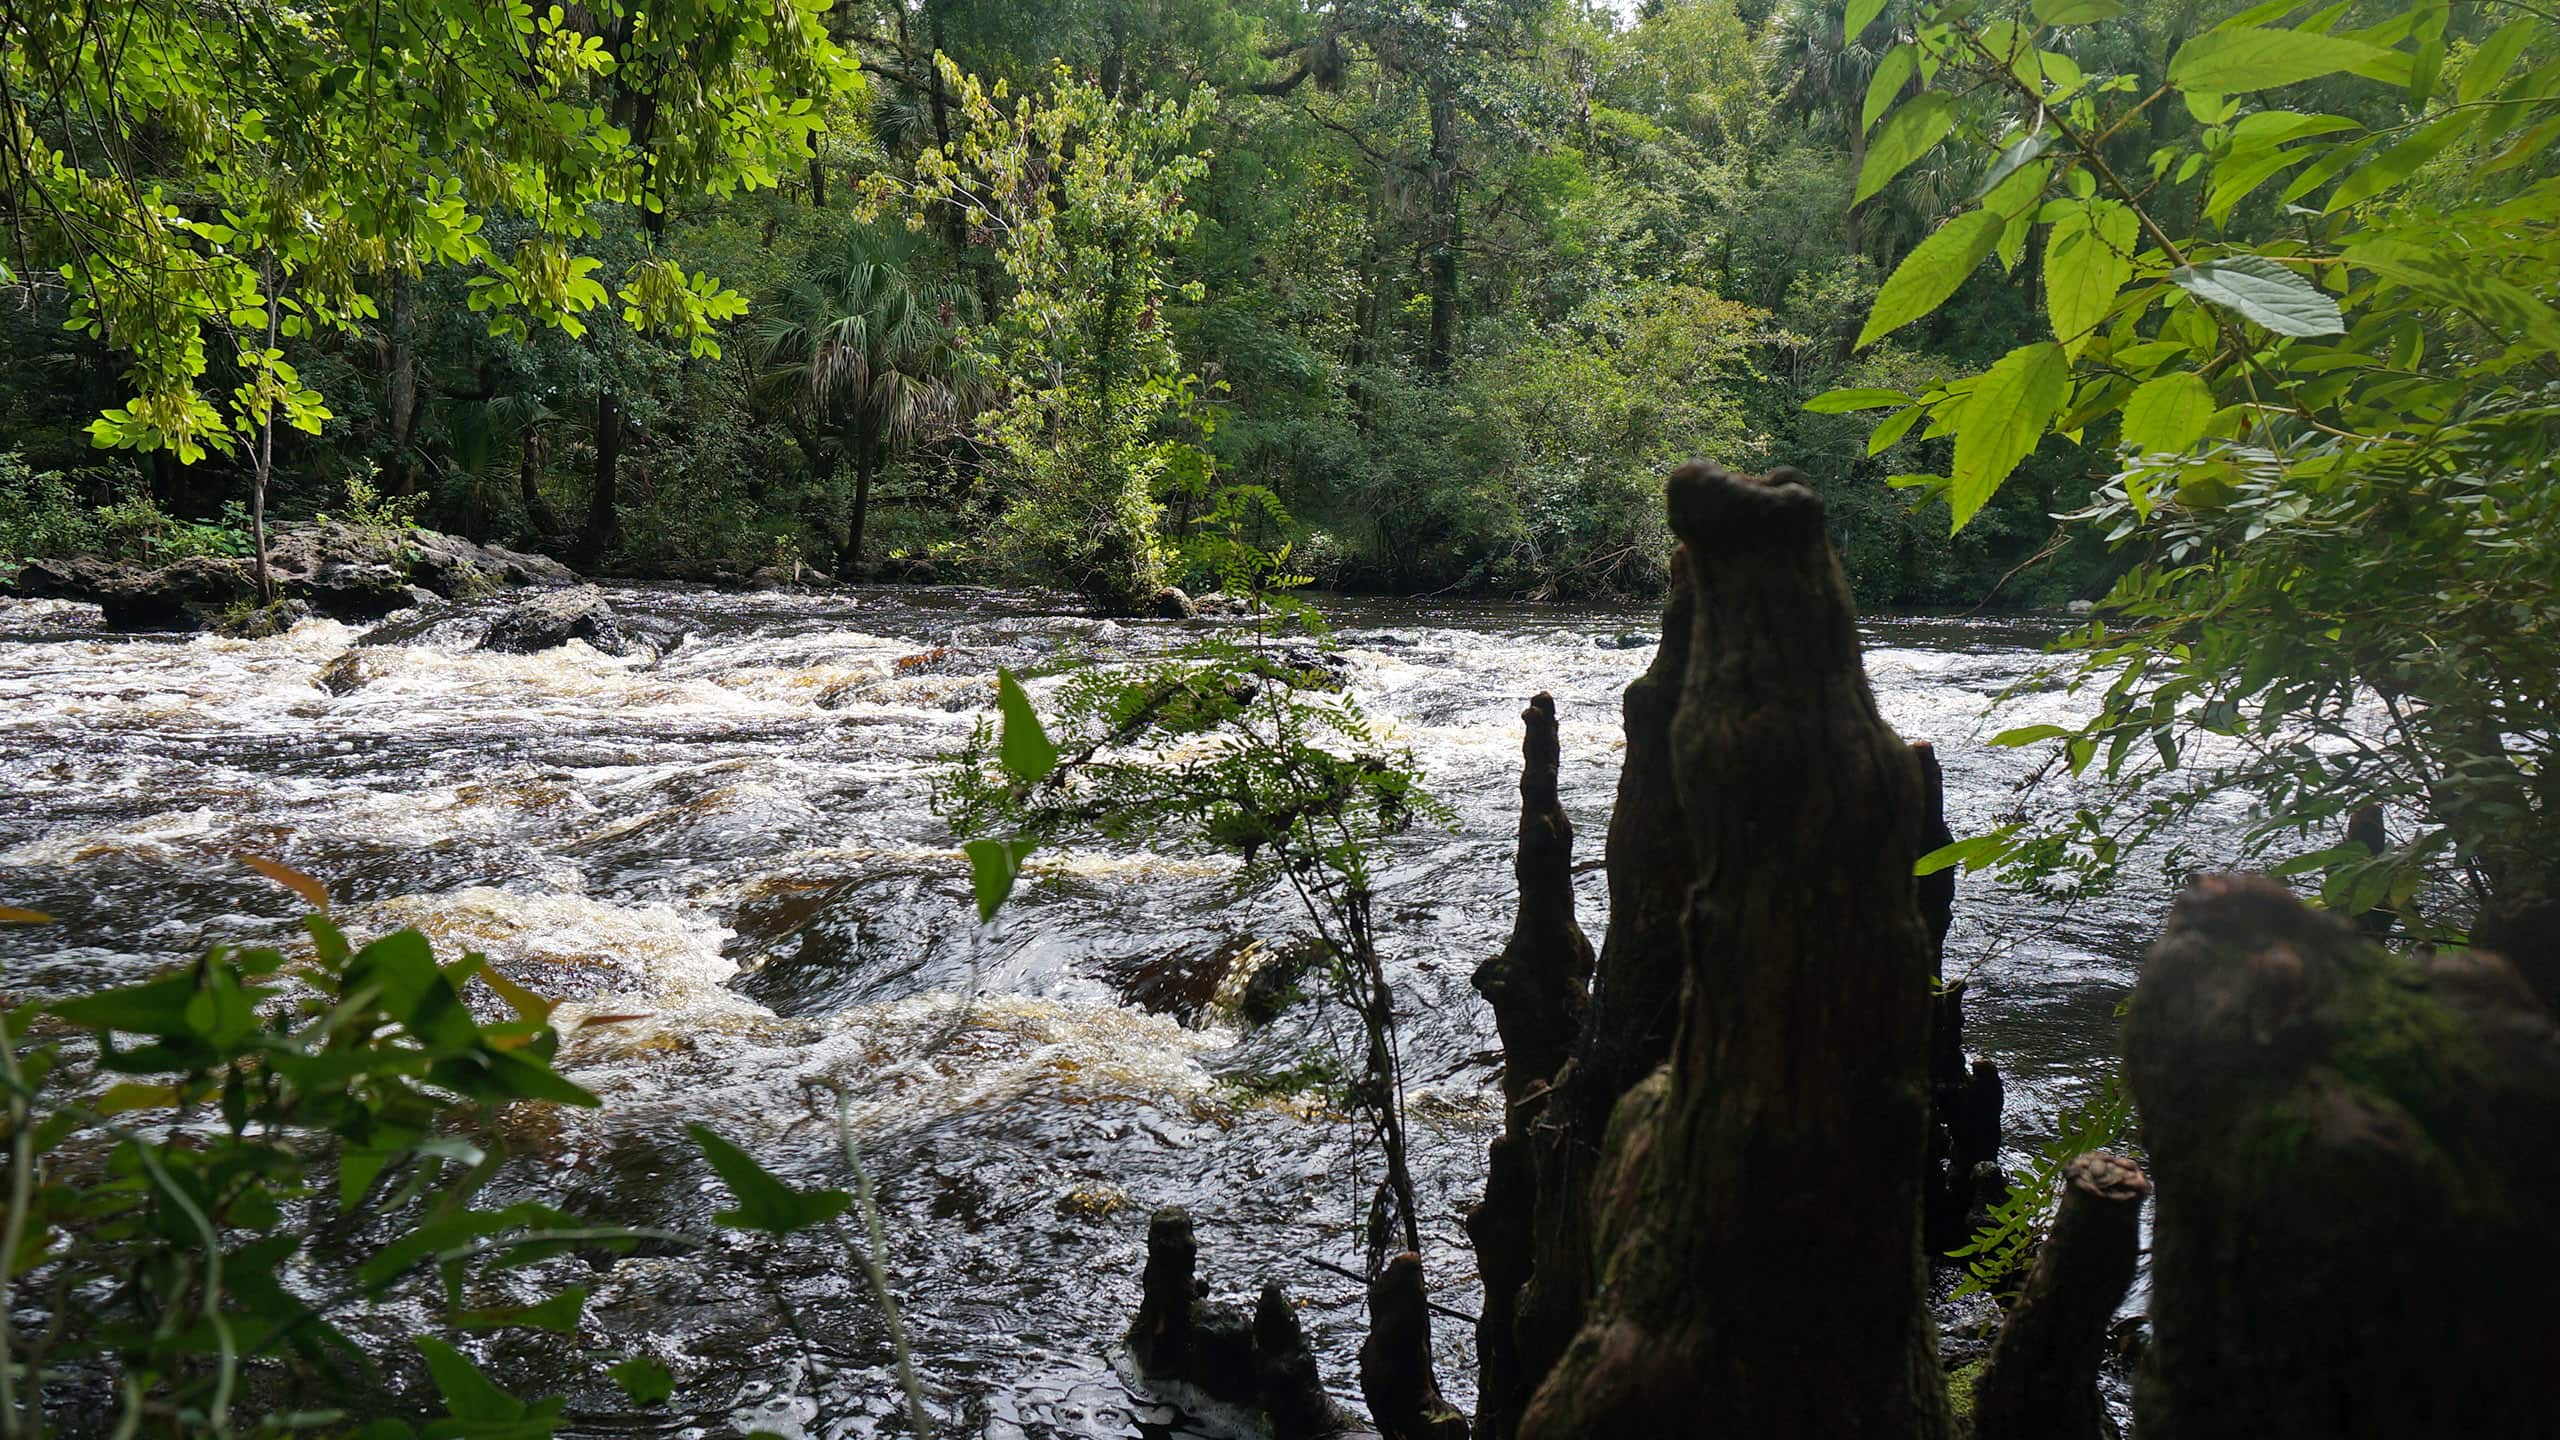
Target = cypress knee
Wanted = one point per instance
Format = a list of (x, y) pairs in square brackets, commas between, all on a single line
[(2358, 1218), (2041, 1382), (1634, 1006), (1767, 1279), (1395, 1360), (1537, 984)]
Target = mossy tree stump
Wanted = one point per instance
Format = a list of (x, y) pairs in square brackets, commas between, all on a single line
[(2358, 1225)]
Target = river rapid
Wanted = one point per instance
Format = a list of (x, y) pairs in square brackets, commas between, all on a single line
[(731, 848)]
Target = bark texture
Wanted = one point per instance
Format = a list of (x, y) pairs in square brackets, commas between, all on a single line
[(2359, 1212), (1633, 1011), (1395, 1361), (1538, 984), (1761, 1229), (2041, 1382)]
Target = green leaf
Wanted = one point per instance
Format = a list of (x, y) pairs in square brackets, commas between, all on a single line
[(1907, 134), (154, 1007), (2233, 62), (2259, 289), (2016, 157), (2235, 177), (1893, 429), (2168, 414), (468, 1394), (559, 1314), (1885, 86), (993, 867), (2076, 12), (2398, 163), (1024, 748), (2031, 734), (645, 1380), (2088, 257), (1860, 14), (2004, 418), (1932, 272), (1841, 402), (764, 1203), (2489, 64), (1973, 852)]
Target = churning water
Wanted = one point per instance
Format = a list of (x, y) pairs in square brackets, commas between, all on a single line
[(733, 843)]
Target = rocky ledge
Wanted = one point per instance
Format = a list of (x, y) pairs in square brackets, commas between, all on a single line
[(341, 571)]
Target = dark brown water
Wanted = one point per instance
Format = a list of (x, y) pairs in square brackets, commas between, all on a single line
[(734, 842)]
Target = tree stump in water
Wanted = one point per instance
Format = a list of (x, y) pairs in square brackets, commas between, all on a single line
[(1395, 1360), (1628, 1024), (2041, 1382), (1761, 1229), (2358, 1222), (1538, 984), (1260, 1362)]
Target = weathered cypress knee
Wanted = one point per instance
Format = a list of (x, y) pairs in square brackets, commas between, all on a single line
[(1161, 1335), (1292, 1393), (1635, 1005), (2041, 1382), (1538, 986), (1766, 1277), (2358, 1214), (1395, 1360)]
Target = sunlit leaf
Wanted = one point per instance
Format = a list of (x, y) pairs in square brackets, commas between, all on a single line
[(2088, 257), (2262, 290), (2235, 62), (1024, 748), (2003, 420), (2168, 413), (1934, 270), (1841, 402), (1911, 131)]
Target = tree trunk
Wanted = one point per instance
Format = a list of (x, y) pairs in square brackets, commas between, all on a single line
[(1447, 228), (538, 514), (2041, 1382), (849, 564), (264, 466), (1762, 1222), (603, 522), (1635, 995), (2359, 1210), (400, 390), (1538, 985)]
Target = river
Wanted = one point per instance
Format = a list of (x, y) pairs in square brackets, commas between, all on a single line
[(733, 844)]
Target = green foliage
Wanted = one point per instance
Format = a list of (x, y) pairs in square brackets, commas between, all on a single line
[(178, 1147), (40, 515), (2322, 409), (2001, 1253), (1246, 748), (318, 150), (1081, 193)]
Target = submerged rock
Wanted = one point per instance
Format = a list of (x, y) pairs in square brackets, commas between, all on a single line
[(550, 620), (266, 622), (1171, 603)]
